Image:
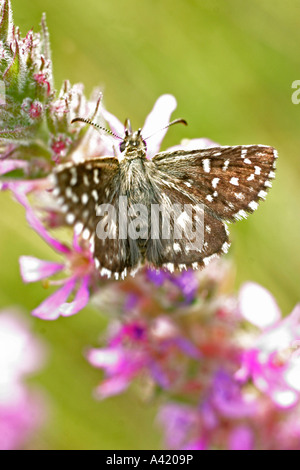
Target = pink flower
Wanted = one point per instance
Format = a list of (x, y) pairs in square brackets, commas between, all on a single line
[(35, 110), (59, 146), (42, 80), (136, 347), (80, 266), (8, 165), (273, 361), (21, 354)]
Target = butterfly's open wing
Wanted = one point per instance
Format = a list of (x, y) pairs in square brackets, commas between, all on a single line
[(230, 181), (227, 181), (80, 190)]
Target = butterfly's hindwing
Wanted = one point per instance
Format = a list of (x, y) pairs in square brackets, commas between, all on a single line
[(207, 236)]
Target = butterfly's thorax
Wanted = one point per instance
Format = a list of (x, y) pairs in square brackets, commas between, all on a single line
[(135, 176)]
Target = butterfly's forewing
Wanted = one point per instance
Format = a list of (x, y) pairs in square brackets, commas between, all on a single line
[(80, 187), (80, 190), (230, 181)]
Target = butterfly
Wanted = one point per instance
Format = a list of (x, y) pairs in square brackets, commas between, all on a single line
[(220, 184)]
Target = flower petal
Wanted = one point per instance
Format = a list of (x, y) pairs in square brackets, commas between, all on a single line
[(9, 165), (241, 438), (158, 118), (109, 359), (112, 386), (34, 269), (284, 398), (194, 144), (115, 125), (20, 194), (80, 301), (50, 308), (258, 306)]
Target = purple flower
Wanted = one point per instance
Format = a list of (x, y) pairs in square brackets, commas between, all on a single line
[(227, 398), (273, 361), (186, 282), (179, 422)]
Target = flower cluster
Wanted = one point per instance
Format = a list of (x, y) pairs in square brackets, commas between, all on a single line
[(226, 368), (229, 366)]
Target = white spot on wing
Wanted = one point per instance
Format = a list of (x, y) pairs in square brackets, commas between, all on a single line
[(207, 260), (225, 247), (244, 152), (257, 170), (253, 205), (262, 194), (170, 267), (69, 192), (234, 181), (240, 215), (215, 182), (177, 248), (206, 165), (70, 218), (86, 234), (226, 165), (73, 172), (95, 194), (84, 198)]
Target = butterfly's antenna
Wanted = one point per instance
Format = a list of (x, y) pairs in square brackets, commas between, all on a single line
[(176, 121), (87, 121)]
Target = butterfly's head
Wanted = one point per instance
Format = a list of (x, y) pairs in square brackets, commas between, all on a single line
[(132, 141)]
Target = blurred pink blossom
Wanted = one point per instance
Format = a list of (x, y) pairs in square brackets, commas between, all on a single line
[(21, 354)]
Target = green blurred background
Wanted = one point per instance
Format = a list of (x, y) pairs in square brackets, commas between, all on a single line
[(230, 65)]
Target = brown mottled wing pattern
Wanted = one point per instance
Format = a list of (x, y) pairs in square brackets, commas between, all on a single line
[(209, 237), (230, 181), (80, 189)]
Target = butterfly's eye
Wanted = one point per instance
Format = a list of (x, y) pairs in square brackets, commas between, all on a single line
[(122, 146)]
